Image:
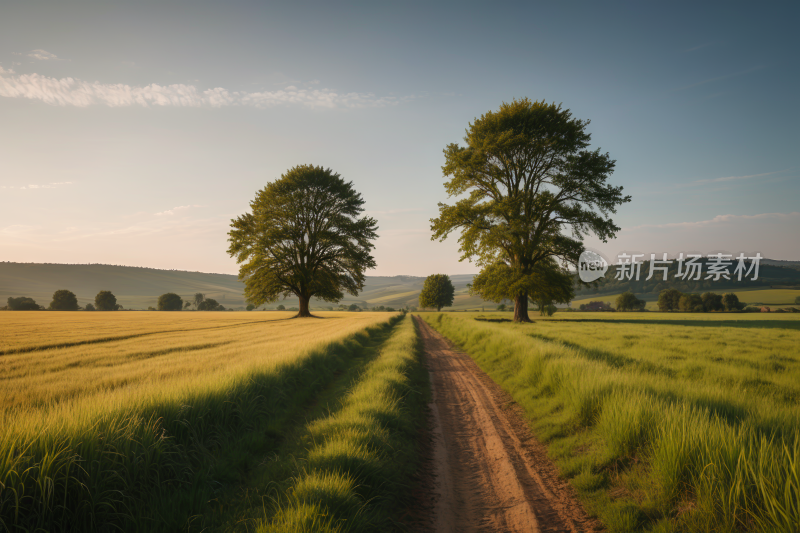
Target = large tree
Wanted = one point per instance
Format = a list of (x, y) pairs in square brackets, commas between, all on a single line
[(529, 190), (437, 291), (304, 236), (170, 302)]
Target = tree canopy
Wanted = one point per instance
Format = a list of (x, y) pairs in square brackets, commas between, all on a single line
[(303, 236), (627, 301), (529, 190), (64, 300), (170, 302), (437, 291), (210, 304), (105, 301), (22, 303)]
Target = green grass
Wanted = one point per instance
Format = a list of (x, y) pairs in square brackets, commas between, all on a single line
[(662, 422), (150, 464)]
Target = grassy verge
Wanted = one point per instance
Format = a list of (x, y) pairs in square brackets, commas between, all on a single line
[(353, 468), (149, 466), (647, 449)]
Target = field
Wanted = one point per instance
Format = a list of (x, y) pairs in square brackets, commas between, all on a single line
[(131, 420), (663, 422)]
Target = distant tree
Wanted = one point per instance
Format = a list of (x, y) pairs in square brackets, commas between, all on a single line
[(353, 307), (304, 236), (250, 307), (209, 304), (64, 300), (501, 307), (89, 307), (198, 299), (437, 291), (118, 307), (105, 301), (186, 304), (731, 302), (669, 300), (390, 309), (281, 307), (529, 190), (151, 308), (22, 303), (691, 303), (796, 300), (550, 309), (627, 301), (412, 308), (712, 301), (170, 302), (596, 306)]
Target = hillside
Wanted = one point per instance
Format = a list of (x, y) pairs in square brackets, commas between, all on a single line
[(139, 288)]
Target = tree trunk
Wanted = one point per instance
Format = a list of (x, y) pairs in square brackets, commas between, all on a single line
[(303, 307), (521, 308)]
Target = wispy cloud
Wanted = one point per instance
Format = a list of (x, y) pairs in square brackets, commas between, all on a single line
[(731, 178), (721, 219), (80, 93), (174, 209), (43, 55), (52, 185)]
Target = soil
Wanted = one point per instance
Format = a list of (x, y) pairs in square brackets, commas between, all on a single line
[(485, 471)]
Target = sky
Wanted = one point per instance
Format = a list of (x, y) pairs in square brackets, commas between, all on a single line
[(131, 133)]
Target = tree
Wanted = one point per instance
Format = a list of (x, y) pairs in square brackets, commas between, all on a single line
[(304, 237), (210, 304), (250, 307), (170, 302), (796, 300), (22, 303), (437, 291), (546, 283), (89, 307), (627, 301), (731, 302), (281, 308), (669, 300), (712, 301), (501, 307), (105, 301), (198, 299), (353, 307), (64, 300), (691, 303), (528, 179)]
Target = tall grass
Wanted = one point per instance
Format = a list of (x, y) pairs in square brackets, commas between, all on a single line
[(141, 458), (358, 470), (690, 428)]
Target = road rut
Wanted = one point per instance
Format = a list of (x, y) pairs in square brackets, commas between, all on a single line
[(488, 473)]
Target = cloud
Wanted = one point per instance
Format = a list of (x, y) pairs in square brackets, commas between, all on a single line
[(80, 93), (721, 219), (43, 55), (52, 185), (179, 208), (731, 178)]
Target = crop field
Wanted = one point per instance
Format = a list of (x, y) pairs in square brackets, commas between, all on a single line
[(662, 422), (120, 418)]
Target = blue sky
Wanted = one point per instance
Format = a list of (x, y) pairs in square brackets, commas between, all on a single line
[(132, 132)]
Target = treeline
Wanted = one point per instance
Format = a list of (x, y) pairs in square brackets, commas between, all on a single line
[(768, 275), (673, 300), (65, 300)]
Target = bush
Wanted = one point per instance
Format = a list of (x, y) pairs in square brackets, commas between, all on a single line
[(64, 300), (105, 301), (691, 303), (596, 306), (170, 302), (23, 303), (210, 304), (627, 301)]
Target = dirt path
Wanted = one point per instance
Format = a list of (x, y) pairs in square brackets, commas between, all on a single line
[(488, 473)]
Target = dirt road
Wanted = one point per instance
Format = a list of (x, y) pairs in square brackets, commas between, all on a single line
[(488, 473)]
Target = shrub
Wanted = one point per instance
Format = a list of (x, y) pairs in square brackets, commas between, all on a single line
[(105, 301), (64, 300), (22, 303)]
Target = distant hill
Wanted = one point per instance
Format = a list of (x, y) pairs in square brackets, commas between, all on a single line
[(139, 288)]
